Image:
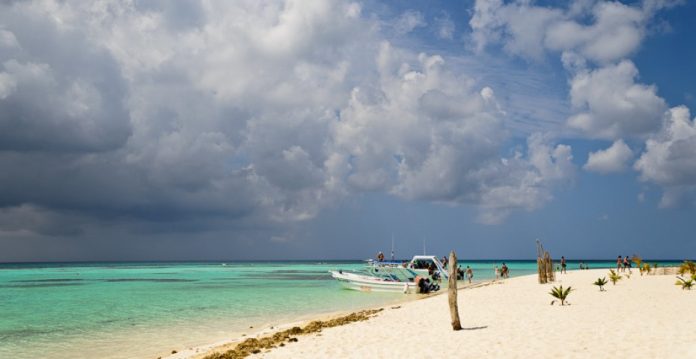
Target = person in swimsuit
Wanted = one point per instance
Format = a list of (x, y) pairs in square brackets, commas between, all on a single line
[(469, 273), (504, 272), (618, 264), (627, 264), (563, 265), (497, 272)]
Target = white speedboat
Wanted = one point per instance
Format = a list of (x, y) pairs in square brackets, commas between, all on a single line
[(389, 280), (395, 276)]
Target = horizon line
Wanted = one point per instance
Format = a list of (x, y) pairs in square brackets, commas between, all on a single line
[(306, 260)]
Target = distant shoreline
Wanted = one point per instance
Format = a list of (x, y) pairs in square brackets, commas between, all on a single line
[(570, 260)]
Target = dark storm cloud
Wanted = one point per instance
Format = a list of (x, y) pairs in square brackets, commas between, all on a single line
[(125, 121), (64, 127), (69, 94)]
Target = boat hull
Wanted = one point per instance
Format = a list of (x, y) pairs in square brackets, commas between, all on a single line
[(370, 284)]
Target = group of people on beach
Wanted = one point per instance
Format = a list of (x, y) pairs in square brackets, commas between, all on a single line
[(465, 274), (462, 274), (503, 272), (468, 273), (564, 265), (623, 264)]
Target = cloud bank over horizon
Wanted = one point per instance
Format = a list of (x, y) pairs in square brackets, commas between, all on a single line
[(245, 119)]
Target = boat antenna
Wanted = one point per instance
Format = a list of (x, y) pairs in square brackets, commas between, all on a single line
[(392, 252)]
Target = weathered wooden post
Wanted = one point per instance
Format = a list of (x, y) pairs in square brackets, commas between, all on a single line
[(541, 263), (541, 268), (452, 291), (550, 274), (544, 265)]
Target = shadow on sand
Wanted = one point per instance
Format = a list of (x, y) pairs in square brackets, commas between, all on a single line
[(476, 328)]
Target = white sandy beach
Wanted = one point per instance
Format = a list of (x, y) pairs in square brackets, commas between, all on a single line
[(646, 317)]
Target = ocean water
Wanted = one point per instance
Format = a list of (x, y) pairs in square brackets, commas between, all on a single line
[(144, 310)]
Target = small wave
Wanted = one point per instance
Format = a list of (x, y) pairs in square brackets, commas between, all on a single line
[(151, 280), (46, 280)]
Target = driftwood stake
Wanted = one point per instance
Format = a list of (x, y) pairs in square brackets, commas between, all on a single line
[(544, 265), (550, 274), (452, 291)]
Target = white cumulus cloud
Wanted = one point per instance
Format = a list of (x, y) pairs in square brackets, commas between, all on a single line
[(611, 160), (614, 30), (669, 159), (610, 104)]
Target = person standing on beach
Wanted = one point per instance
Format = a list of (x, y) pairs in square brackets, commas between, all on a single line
[(504, 272), (563, 265), (627, 264), (618, 264), (469, 274), (497, 272)]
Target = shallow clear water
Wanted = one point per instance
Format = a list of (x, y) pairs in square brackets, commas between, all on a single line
[(126, 310)]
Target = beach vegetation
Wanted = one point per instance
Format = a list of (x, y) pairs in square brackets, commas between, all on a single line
[(614, 277), (638, 262), (255, 345), (560, 294), (687, 266), (601, 282), (685, 283), (645, 268)]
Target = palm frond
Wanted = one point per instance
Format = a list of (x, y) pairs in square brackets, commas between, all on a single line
[(614, 277), (601, 282), (560, 293), (685, 283)]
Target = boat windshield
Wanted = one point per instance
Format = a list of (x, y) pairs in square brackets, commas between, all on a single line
[(394, 273)]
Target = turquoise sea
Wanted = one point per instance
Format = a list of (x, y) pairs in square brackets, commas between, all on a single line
[(144, 310)]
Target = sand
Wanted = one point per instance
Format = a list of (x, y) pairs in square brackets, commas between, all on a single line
[(644, 316)]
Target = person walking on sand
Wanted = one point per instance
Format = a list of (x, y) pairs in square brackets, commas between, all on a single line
[(469, 274), (627, 264), (563, 265), (497, 272), (618, 264)]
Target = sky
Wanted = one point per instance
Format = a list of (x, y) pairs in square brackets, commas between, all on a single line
[(248, 130)]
